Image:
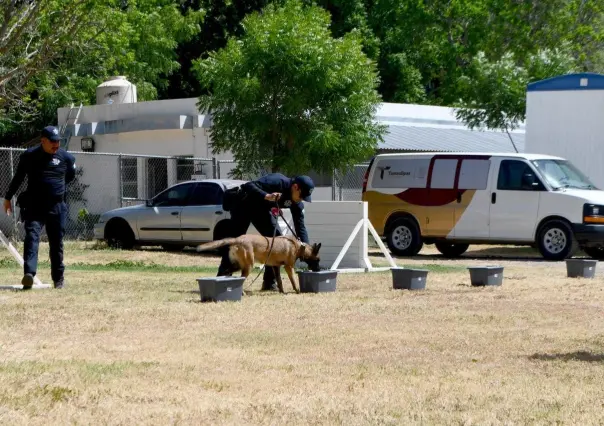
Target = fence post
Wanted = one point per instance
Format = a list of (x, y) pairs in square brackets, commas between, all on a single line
[(12, 175), (215, 170), (333, 185), (119, 180)]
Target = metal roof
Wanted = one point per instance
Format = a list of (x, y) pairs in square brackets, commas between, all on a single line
[(421, 138), (565, 82)]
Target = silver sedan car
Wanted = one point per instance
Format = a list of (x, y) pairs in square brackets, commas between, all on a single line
[(185, 214)]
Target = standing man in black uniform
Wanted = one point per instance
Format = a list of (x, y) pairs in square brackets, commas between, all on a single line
[(49, 169), (252, 203)]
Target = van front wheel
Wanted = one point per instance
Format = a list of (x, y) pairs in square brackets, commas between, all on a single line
[(556, 240), (404, 238)]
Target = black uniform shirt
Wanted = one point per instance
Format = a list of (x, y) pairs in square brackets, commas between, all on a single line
[(276, 182), (47, 174)]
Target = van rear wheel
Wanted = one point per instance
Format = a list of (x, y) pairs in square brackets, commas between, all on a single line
[(451, 249), (404, 237), (556, 240)]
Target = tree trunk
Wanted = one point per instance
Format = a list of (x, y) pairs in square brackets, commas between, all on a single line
[(275, 166)]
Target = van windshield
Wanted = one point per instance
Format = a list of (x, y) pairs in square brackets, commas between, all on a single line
[(562, 174)]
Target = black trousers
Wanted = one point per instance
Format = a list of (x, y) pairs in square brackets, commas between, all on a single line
[(53, 217), (242, 215)]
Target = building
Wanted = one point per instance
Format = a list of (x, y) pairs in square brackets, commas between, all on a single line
[(564, 118), (118, 124)]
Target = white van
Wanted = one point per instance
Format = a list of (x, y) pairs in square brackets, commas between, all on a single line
[(457, 199)]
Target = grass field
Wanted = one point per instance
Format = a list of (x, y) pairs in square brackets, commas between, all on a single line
[(128, 342)]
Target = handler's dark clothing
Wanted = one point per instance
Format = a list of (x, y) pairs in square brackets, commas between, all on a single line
[(253, 208), (43, 204)]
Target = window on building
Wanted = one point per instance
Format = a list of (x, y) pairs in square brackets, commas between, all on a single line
[(129, 178), (185, 168)]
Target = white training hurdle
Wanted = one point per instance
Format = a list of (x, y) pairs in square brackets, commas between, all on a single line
[(12, 250), (342, 228)]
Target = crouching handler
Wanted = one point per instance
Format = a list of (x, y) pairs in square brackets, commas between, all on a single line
[(252, 203), (49, 169)]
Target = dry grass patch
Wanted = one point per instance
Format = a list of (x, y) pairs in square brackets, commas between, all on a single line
[(138, 347)]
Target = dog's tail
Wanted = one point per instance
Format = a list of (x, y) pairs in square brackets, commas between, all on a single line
[(215, 244)]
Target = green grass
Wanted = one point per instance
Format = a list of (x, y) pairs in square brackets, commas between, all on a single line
[(116, 265), (140, 266)]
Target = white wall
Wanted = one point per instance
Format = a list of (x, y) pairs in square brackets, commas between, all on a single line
[(331, 223), (99, 113), (568, 124)]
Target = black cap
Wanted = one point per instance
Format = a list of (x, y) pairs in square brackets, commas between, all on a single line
[(51, 133), (306, 185)]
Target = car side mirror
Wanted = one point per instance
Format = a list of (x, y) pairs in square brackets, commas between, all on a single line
[(149, 203)]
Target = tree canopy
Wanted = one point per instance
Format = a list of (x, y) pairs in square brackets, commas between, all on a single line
[(58, 51), (288, 96), (444, 53)]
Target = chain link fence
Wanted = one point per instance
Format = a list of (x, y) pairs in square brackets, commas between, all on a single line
[(224, 168), (348, 184), (104, 182)]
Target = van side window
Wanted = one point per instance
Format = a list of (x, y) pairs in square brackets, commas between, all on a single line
[(443, 174), (400, 173), (517, 175), (474, 174)]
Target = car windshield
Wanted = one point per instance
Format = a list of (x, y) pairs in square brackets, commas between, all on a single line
[(562, 174)]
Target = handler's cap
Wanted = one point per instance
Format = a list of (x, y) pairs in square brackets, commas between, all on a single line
[(306, 185), (52, 133)]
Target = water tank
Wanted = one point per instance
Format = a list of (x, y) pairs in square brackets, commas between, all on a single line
[(116, 90)]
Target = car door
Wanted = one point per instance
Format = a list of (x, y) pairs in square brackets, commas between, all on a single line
[(161, 220), (473, 199), (514, 203), (440, 211), (202, 212)]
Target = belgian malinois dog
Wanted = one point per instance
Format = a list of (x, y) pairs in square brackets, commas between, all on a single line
[(250, 248)]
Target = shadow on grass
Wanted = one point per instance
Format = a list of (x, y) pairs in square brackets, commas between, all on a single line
[(571, 356), (517, 253)]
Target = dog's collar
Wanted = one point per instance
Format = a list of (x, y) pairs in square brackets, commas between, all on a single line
[(301, 250)]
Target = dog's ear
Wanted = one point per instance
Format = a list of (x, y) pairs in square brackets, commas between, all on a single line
[(316, 248)]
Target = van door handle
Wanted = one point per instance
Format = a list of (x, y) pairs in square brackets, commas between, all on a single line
[(174, 213), (493, 198)]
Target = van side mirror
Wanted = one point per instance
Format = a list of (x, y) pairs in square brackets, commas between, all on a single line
[(149, 203)]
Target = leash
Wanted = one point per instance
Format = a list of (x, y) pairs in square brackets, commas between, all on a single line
[(280, 213)]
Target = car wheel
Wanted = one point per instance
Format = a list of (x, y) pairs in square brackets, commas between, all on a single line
[(404, 238), (119, 235), (451, 249), (556, 240), (594, 252)]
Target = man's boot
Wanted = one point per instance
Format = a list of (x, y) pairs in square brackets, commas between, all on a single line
[(27, 281), (269, 286)]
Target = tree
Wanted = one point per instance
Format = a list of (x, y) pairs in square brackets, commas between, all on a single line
[(32, 35), (289, 97), (133, 38), (495, 92)]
